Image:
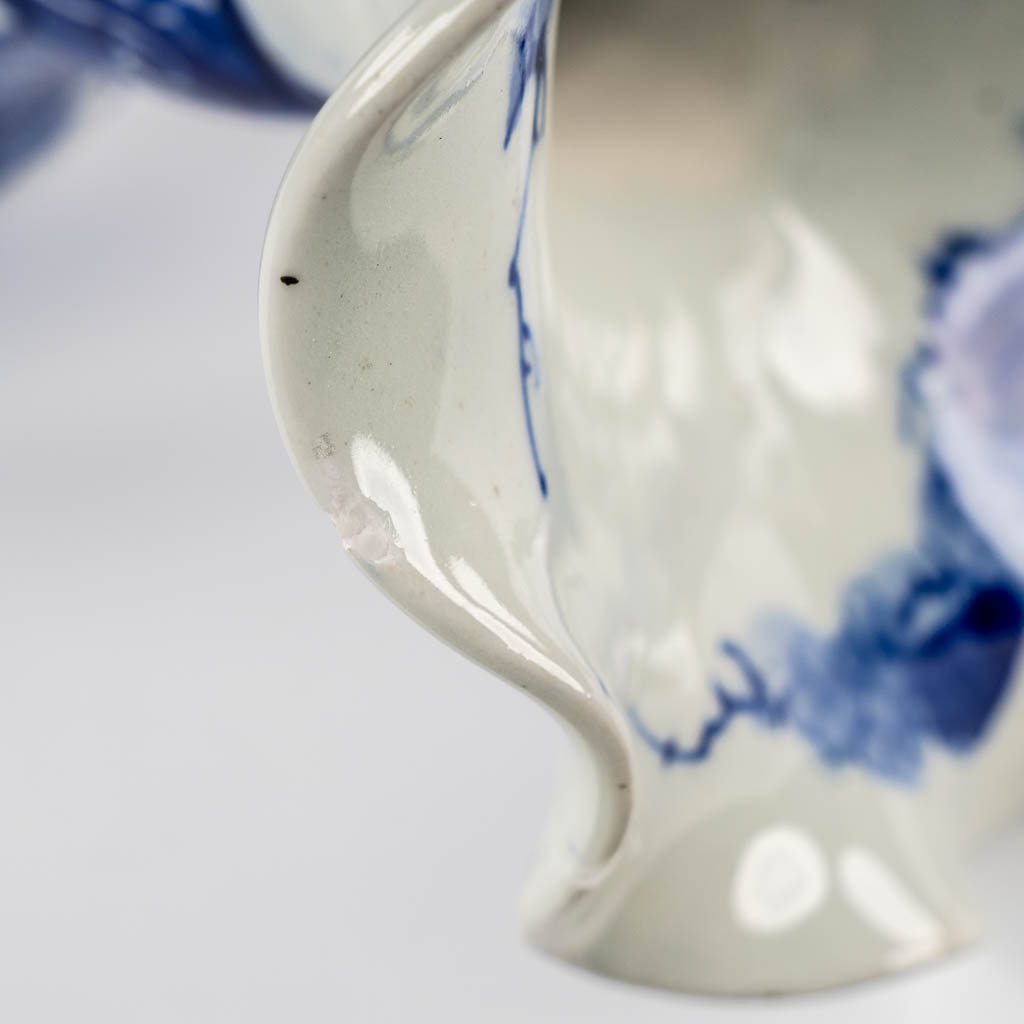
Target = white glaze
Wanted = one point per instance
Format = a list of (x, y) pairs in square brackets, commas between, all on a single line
[(722, 280)]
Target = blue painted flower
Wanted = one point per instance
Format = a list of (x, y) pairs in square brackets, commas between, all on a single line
[(927, 638), (923, 651), (972, 381)]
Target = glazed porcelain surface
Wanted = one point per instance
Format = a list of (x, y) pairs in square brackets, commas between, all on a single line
[(682, 386)]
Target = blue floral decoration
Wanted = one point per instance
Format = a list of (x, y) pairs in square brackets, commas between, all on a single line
[(927, 638)]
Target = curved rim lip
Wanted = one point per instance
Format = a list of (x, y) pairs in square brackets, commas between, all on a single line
[(401, 61), (390, 73)]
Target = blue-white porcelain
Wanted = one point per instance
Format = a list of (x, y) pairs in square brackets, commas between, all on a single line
[(683, 388)]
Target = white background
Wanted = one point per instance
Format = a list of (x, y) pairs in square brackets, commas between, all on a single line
[(235, 783)]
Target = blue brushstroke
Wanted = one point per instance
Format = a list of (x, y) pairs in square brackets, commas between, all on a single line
[(923, 650), (942, 267), (758, 703), (529, 61), (206, 49), (927, 638)]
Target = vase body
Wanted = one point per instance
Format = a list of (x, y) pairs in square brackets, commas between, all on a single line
[(680, 382)]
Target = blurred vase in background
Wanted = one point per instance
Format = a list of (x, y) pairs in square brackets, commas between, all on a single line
[(273, 55)]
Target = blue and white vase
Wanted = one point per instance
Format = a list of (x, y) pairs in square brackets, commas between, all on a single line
[(266, 54)]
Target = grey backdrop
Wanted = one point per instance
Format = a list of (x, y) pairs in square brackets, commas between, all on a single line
[(235, 783)]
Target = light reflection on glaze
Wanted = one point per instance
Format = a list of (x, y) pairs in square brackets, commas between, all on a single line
[(887, 905), (477, 590), (798, 310), (928, 637), (781, 880), (384, 485)]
